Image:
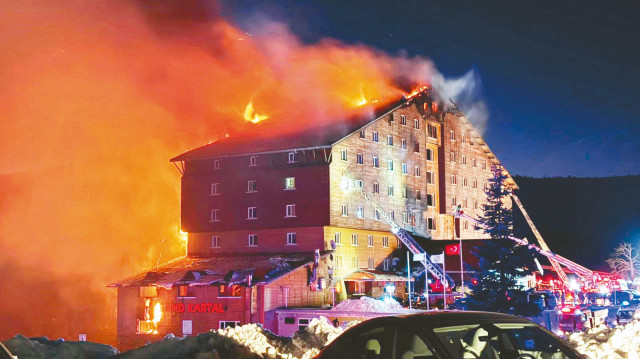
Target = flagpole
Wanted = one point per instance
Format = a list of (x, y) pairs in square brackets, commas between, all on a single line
[(461, 271), (445, 283), (409, 278)]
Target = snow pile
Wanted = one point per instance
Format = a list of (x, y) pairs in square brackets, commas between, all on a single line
[(368, 304), (43, 348), (600, 343), (250, 341)]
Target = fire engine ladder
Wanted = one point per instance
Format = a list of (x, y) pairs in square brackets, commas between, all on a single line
[(583, 272), (554, 263), (408, 241)]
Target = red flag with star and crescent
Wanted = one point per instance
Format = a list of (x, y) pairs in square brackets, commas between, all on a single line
[(453, 249)]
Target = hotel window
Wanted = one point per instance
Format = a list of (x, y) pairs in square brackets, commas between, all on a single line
[(253, 161), (386, 264), (343, 155), (370, 263), (389, 140), (463, 139), (464, 181), (392, 214), (453, 201), (453, 179), (376, 215), (452, 135), (252, 213), (215, 241), (390, 164), (376, 187), (417, 171), (360, 212), (252, 186), (431, 178), (228, 324), (404, 192), (227, 290), (338, 238), (292, 157), (385, 242), (303, 323), (432, 131), (214, 189), (338, 262), (404, 168), (429, 155), (416, 124), (291, 238), (464, 203), (403, 144), (429, 199), (362, 134), (471, 141), (214, 215), (484, 165), (474, 162), (398, 242), (464, 159), (418, 195), (359, 158), (290, 183), (475, 204), (374, 136), (253, 240), (431, 223), (466, 224), (150, 291), (485, 186), (452, 157), (290, 210), (354, 239), (354, 262), (475, 183), (186, 291), (405, 217), (403, 120), (216, 164), (390, 191), (370, 240), (416, 148), (345, 210), (376, 164), (187, 327)]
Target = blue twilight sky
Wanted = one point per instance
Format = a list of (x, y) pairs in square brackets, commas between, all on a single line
[(560, 78)]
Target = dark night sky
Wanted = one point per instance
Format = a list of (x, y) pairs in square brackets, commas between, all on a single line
[(560, 78)]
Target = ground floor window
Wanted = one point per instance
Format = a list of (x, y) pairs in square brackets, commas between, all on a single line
[(303, 323), (149, 316), (187, 327), (228, 324)]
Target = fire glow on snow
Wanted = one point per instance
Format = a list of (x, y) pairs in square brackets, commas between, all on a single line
[(253, 341)]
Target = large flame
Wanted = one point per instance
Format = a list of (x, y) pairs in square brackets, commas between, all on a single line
[(157, 315), (250, 115), (96, 96)]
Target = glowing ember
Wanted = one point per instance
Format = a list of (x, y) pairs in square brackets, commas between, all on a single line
[(416, 91), (250, 115)]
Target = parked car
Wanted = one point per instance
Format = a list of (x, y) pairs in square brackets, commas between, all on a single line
[(442, 335)]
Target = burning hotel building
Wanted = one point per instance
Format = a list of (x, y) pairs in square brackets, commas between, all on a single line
[(271, 226)]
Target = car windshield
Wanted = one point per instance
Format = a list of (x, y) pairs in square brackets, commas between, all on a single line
[(501, 341)]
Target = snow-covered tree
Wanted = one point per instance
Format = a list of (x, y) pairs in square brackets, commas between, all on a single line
[(625, 261), (502, 262)]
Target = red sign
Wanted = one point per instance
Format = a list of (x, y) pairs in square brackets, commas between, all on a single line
[(452, 249), (197, 308)]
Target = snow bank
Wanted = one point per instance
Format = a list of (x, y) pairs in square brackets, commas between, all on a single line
[(243, 342), (600, 343), (43, 348), (368, 304)]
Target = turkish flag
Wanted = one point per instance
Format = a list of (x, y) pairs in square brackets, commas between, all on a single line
[(453, 249)]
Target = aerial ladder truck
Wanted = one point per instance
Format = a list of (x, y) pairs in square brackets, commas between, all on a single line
[(403, 235), (556, 260)]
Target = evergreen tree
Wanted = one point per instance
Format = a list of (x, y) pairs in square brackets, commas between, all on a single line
[(502, 261)]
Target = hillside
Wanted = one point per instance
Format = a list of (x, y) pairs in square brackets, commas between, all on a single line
[(582, 219)]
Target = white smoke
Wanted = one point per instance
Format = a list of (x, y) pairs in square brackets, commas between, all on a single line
[(466, 93)]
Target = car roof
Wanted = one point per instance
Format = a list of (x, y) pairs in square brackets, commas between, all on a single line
[(445, 317)]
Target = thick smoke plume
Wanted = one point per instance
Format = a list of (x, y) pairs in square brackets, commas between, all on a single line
[(97, 96)]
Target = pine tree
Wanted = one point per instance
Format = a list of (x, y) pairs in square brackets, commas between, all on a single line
[(502, 261)]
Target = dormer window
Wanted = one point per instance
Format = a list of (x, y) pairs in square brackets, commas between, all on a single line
[(292, 157), (253, 161)]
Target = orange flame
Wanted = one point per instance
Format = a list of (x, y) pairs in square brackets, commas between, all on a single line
[(250, 115), (157, 316), (416, 92)]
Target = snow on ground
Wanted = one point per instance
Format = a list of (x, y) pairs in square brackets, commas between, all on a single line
[(368, 304), (43, 348), (601, 343)]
